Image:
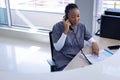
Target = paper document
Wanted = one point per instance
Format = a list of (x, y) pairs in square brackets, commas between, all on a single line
[(103, 54)]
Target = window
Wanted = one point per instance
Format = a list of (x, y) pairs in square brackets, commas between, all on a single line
[(103, 5), (3, 13), (56, 6), (35, 14)]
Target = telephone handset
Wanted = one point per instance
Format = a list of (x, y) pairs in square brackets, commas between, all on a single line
[(66, 18), (70, 26)]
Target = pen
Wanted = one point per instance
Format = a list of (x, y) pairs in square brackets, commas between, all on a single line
[(108, 51)]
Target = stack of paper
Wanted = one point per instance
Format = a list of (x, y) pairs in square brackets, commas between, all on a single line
[(103, 54)]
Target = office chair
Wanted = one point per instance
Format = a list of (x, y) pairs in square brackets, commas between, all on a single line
[(51, 61)]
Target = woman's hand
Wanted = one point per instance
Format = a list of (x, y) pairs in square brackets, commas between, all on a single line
[(95, 48), (66, 25)]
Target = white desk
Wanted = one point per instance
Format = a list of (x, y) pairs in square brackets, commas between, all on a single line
[(79, 62), (108, 69)]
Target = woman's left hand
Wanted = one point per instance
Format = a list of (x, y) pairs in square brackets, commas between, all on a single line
[(95, 48)]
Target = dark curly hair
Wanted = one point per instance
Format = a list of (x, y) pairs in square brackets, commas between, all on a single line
[(69, 7)]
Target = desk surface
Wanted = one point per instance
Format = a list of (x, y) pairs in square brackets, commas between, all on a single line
[(79, 62), (106, 69)]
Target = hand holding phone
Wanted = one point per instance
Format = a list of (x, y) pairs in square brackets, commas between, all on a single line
[(66, 18)]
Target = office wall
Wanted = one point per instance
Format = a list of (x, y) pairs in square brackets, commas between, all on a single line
[(86, 12)]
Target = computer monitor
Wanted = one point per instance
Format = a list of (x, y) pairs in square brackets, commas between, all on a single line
[(112, 11), (110, 26)]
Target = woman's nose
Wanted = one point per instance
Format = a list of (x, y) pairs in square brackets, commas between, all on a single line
[(76, 19)]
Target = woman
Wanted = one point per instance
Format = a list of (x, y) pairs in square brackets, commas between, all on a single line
[(68, 37)]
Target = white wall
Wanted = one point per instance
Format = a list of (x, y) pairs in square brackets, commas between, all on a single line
[(86, 12)]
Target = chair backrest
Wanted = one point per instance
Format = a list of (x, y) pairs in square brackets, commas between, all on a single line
[(52, 47), (51, 43)]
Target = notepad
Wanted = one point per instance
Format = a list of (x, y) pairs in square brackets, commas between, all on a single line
[(103, 54)]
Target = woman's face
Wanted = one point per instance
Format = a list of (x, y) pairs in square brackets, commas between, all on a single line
[(74, 16)]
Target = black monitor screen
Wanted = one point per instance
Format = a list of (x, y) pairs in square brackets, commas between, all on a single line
[(110, 26)]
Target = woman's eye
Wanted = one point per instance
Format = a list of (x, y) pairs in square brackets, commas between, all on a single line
[(73, 17)]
